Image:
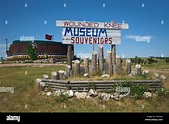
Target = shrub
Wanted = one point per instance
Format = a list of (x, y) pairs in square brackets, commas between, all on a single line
[(138, 90), (141, 76), (162, 92), (61, 98), (91, 86)]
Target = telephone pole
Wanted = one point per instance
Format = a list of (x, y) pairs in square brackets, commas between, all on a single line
[(6, 45)]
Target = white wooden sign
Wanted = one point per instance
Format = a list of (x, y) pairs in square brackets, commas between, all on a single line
[(77, 32)]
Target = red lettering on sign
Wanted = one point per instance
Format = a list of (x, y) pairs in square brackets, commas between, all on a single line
[(77, 40), (119, 26), (90, 40), (94, 40), (86, 39), (106, 25), (72, 40), (106, 39), (102, 40), (81, 24), (81, 40), (96, 25), (110, 40), (71, 24), (66, 24)]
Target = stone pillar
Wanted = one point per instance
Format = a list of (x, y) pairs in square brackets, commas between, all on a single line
[(86, 64), (45, 76), (68, 70), (118, 64), (128, 66), (77, 68), (72, 51), (69, 56), (94, 62), (100, 58), (109, 62), (61, 74), (54, 76), (105, 68), (82, 71), (41, 86), (113, 49), (138, 69)]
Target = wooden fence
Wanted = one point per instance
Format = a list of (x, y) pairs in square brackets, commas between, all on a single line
[(99, 85)]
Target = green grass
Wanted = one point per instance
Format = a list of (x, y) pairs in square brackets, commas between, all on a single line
[(27, 94)]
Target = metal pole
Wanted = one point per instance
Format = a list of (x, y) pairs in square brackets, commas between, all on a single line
[(6, 43)]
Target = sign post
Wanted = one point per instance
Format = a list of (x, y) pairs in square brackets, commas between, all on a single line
[(69, 56), (113, 49)]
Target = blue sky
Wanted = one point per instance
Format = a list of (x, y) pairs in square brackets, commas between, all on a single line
[(38, 17)]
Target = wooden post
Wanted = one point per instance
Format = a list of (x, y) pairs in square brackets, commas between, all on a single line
[(54, 76), (94, 62), (69, 56), (72, 51), (100, 58), (82, 70), (109, 62), (45, 76), (41, 86), (105, 68), (128, 66), (118, 64), (113, 49), (138, 69), (86, 64), (65, 75), (61, 74), (77, 68), (68, 71)]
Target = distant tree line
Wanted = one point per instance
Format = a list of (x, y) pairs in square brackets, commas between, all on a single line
[(138, 60), (165, 58)]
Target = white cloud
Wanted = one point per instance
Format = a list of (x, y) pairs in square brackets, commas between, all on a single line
[(162, 55), (82, 55), (139, 38)]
